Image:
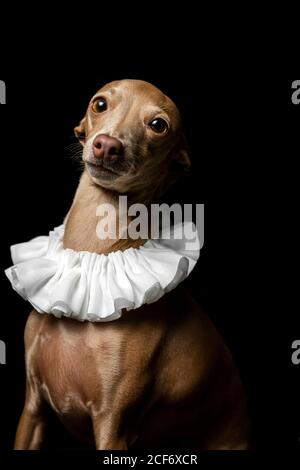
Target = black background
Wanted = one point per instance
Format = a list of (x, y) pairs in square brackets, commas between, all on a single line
[(243, 133)]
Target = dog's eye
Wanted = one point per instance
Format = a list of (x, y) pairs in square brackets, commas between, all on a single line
[(99, 105), (159, 126)]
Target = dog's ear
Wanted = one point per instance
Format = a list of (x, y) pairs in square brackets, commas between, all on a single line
[(181, 155), (183, 160), (80, 131)]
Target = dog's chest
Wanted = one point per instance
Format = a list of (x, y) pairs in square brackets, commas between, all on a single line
[(73, 363)]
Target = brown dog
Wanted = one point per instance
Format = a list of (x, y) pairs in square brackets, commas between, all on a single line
[(160, 374)]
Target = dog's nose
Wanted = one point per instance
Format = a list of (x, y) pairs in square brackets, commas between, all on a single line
[(107, 148)]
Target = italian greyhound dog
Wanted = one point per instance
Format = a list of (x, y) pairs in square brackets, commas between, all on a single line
[(161, 374)]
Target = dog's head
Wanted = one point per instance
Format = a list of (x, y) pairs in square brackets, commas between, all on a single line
[(132, 138)]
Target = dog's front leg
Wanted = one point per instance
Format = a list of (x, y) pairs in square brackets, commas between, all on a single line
[(31, 426), (107, 433)]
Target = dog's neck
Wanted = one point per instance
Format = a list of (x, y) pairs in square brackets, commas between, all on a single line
[(81, 224)]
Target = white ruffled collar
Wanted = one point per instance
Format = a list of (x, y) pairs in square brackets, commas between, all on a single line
[(93, 287)]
